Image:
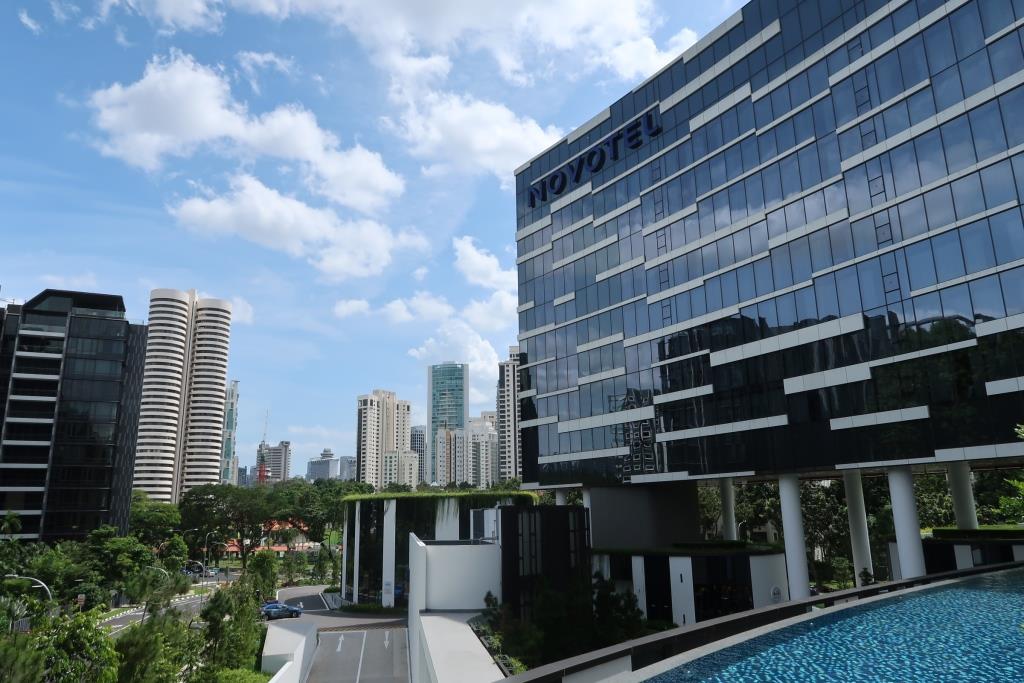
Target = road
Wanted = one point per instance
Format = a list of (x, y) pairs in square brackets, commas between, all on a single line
[(370, 656), (189, 607), (371, 649)]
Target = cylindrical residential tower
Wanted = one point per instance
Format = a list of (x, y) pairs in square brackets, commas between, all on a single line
[(182, 412)]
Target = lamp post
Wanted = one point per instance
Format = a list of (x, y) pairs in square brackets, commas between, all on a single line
[(49, 594)]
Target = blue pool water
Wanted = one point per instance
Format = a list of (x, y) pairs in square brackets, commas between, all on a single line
[(969, 632)]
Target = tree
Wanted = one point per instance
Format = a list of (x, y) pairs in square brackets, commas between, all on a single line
[(1012, 507), (22, 662), (162, 649), (293, 565), (710, 502), (232, 631), (322, 563), (116, 558), (10, 525), (263, 573), (152, 521), (76, 650), (245, 514), (757, 505), (395, 487), (173, 553)]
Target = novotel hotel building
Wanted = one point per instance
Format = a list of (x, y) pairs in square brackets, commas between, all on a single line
[(796, 251)]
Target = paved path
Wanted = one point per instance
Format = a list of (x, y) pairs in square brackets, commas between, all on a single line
[(315, 611), (370, 656)]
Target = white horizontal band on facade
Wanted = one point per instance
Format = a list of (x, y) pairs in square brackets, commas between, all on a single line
[(38, 354), (595, 121), (598, 343), (22, 489), (565, 298), (536, 422), (788, 340), (879, 418), (595, 247), (679, 359), (584, 455), (1004, 386), (554, 393), (725, 428), (685, 476), (599, 376), (990, 327), (621, 268), (31, 420), (942, 455), (23, 332), (22, 442), (860, 372), (544, 248), (684, 394), (539, 224), (18, 397), (30, 375), (723, 105), (965, 279), (23, 465), (607, 420), (573, 227), (569, 197), (524, 307)]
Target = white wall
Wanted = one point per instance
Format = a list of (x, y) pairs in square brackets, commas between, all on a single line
[(459, 576), (769, 582), (680, 574), (640, 583), (1018, 553), (417, 602), (964, 556), (388, 565), (446, 526), (288, 651)]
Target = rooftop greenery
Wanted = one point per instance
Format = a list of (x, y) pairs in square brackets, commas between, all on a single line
[(472, 493)]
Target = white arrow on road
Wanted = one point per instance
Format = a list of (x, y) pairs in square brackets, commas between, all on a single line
[(387, 637), (300, 605), (340, 641)]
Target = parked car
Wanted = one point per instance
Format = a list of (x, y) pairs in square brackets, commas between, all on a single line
[(279, 610), (212, 571)]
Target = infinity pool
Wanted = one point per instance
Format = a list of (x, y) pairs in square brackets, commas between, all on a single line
[(967, 632)]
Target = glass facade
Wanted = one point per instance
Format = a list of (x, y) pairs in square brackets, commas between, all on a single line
[(447, 405), (73, 366), (798, 246)]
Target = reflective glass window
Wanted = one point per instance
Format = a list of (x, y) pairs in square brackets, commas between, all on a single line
[(977, 246), (949, 260)]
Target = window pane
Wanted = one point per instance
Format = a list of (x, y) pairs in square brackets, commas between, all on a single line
[(987, 297), (1013, 290), (977, 245), (987, 128), (997, 183), (949, 260), (1007, 236), (956, 141), (967, 196), (849, 291), (921, 265), (930, 159), (939, 206)]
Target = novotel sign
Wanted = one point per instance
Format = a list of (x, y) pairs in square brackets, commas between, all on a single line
[(634, 135)]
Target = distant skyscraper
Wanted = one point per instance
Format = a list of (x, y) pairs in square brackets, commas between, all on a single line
[(229, 459), (382, 426), (509, 449), (447, 405), (70, 383), (481, 451), (181, 419), (400, 467), (347, 468), (324, 467), (419, 446), (243, 476), (278, 460)]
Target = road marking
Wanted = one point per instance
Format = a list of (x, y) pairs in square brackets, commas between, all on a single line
[(340, 641), (387, 635), (362, 649), (300, 605)]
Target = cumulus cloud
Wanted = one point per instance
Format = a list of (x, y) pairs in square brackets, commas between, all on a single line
[(63, 10), (422, 306), (201, 16), (242, 311), (339, 248), (458, 339), (493, 314), (251, 63), (420, 273), (345, 308), (481, 267), (28, 22), (180, 105)]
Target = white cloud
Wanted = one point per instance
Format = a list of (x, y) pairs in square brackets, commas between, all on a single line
[(241, 311), (462, 134), (63, 10), (481, 267), (349, 307), (169, 15), (28, 22), (180, 105), (494, 314), (253, 62), (422, 306), (120, 38), (83, 281), (339, 248), (456, 339), (420, 273)]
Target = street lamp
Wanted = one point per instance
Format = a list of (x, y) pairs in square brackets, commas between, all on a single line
[(33, 579)]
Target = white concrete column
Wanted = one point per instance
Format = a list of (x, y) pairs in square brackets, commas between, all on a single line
[(728, 495), (793, 535), (344, 558), (559, 496), (387, 598), (680, 575), (904, 517), (959, 475), (640, 583), (857, 514), (586, 503), (355, 561)]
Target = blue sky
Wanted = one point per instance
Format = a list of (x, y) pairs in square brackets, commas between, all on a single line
[(341, 169)]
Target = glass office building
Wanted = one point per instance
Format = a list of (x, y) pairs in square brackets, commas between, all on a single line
[(447, 406), (70, 388), (797, 248)]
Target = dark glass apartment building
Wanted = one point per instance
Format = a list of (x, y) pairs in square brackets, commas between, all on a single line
[(70, 386), (797, 248)]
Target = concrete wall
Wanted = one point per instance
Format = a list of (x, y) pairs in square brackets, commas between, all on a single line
[(459, 576), (388, 565), (680, 574), (601, 672), (648, 516), (288, 650), (769, 583), (418, 664)]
